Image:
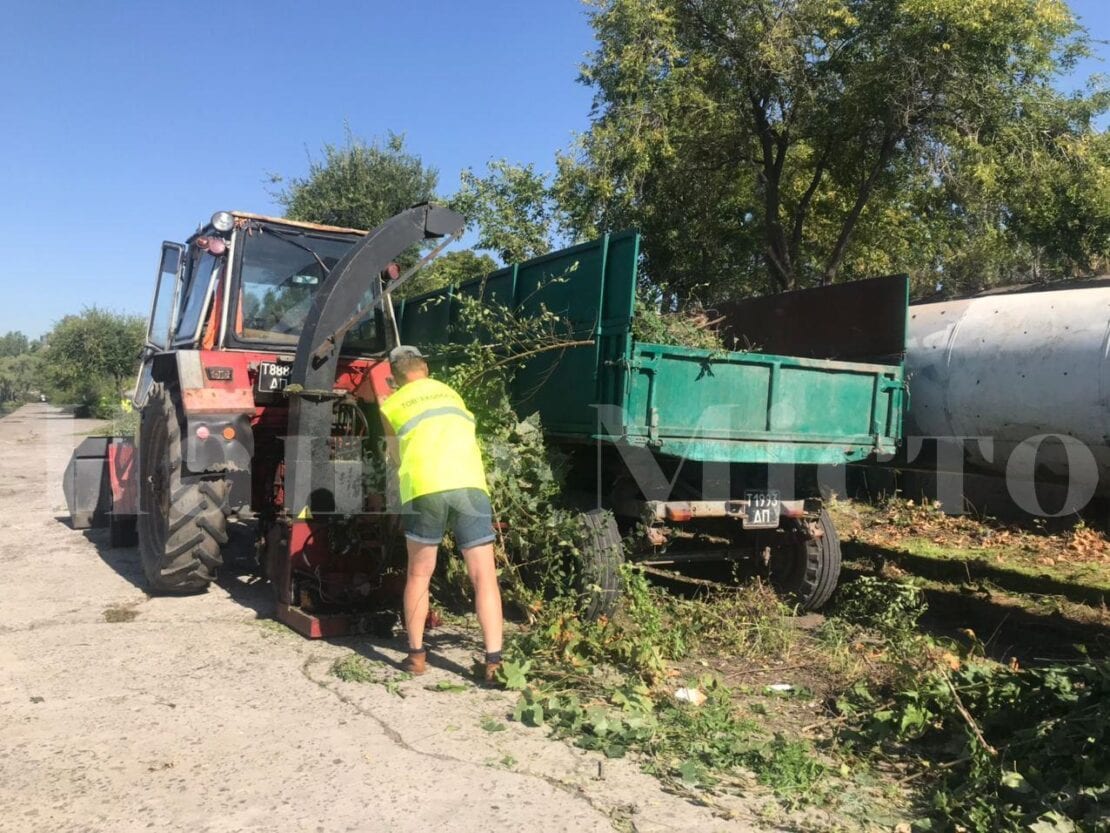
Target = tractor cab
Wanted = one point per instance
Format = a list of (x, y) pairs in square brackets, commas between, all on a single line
[(244, 282)]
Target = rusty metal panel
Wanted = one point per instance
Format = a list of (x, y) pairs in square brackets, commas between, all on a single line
[(856, 321)]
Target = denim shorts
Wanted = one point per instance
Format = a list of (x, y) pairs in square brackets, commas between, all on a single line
[(466, 512)]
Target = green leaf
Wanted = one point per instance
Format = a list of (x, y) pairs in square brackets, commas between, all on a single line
[(913, 718), (1016, 782), (597, 719), (615, 750), (514, 675), (447, 685), (491, 724), (532, 715), (691, 772), (1053, 822)]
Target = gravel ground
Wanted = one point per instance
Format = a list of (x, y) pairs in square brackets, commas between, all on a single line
[(123, 712)]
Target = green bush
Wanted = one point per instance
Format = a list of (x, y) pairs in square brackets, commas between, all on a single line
[(1014, 749), (89, 358)]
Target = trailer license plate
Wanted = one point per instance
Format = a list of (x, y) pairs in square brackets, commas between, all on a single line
[(763, 510), (273, 376)]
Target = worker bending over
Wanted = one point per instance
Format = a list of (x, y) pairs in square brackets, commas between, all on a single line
[(443, 485)]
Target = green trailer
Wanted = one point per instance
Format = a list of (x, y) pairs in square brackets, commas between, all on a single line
[(704, 455)]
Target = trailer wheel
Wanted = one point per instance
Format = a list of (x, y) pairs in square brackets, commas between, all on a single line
[(602, 556), (806, 569), (182, 519)]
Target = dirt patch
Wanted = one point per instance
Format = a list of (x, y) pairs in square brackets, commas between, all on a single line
[(120, 613)]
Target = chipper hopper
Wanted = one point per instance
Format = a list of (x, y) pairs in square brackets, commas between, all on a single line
[(258, 398)]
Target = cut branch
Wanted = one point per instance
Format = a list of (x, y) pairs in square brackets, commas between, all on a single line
[(527, 354)]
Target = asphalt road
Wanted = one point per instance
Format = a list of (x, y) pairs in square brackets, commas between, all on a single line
[(121, 712)]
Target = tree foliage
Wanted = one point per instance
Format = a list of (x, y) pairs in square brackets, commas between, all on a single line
[(90, 358), (449, 269), (358, 185), (20, 375), (773, 144), (512, 209), (14, 343)]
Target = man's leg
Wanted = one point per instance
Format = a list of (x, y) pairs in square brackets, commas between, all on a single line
[(487, 595), (422, 563)]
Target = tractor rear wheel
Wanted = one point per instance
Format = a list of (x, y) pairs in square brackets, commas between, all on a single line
[(602, 556), (807, 568), (182, 518)]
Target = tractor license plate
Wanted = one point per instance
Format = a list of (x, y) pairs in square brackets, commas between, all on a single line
[(273, 376), (762, 510)]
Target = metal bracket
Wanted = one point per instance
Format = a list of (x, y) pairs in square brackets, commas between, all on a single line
[(653, 426)]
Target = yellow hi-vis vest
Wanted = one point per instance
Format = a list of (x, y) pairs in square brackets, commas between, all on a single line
[(436, 433)]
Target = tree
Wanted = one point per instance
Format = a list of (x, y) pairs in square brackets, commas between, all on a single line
[(91, 357), (1051, 198), (512, 208), (774, 144), (449, 269), (358, 185), (20, 375), (13, 343)]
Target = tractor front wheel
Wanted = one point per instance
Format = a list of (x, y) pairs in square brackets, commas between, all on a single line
[(182, 518), (806, 568)]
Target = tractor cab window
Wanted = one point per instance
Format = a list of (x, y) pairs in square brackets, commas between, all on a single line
[(195, 294), (279, 273)]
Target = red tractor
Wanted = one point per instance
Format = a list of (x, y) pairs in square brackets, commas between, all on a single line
[(257, 395)]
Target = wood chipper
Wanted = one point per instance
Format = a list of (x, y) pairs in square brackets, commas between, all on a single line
[(265, 363), (257, 394)]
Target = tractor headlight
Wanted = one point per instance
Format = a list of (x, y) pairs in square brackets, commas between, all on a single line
[(222, 221)]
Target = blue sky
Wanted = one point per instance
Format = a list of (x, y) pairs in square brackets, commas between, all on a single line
[(128, 123)]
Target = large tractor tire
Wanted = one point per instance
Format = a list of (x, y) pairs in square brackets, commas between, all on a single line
[(602, 556), (182, 518), (806, 569)]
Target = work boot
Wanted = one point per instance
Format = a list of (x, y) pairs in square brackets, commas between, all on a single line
[(486, 669), (416, 663), (490, 674)]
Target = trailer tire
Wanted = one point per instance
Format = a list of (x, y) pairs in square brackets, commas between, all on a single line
[(182, 519), (806, 570), (602, 556)]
